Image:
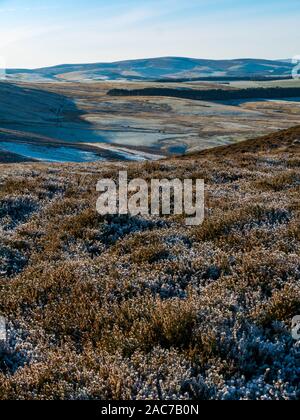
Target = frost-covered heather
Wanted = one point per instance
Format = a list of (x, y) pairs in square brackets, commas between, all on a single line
[(136, 308)]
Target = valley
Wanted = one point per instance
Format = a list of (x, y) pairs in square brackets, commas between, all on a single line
[(80, 122)]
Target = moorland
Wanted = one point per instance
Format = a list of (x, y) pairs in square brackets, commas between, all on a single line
[(143, 307)]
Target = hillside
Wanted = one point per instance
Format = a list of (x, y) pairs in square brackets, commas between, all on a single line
[(166, 68), (276, 143), (144, 307)]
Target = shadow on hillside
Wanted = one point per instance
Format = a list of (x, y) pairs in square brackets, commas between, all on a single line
[(37, 114)]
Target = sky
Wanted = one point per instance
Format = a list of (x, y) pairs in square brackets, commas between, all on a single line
[(39, 33)]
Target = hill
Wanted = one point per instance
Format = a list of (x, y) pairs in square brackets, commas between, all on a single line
[(144, 307), (166, 68)]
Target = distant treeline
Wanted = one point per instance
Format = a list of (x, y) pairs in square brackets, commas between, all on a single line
[(211, 94)]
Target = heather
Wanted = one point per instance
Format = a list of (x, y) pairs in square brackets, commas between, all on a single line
[(122, 307)]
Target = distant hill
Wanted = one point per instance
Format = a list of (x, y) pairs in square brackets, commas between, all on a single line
[(166, 68)]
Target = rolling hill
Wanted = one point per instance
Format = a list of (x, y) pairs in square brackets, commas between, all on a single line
[(167, 68)]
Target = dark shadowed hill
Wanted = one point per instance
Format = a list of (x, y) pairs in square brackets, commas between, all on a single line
[(7, 157)]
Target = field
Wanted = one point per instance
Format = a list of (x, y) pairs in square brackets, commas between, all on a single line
[(79, 122), (144, 307)]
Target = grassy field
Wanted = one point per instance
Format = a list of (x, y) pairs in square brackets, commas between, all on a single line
[(291, 83), (144, 307)]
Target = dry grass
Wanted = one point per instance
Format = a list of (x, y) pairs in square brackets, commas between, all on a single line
[(135, 308)]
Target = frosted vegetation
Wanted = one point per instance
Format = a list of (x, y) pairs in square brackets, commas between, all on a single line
[(142, 308)]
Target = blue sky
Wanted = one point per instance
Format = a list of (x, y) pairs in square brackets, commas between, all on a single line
[(38, 33)]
